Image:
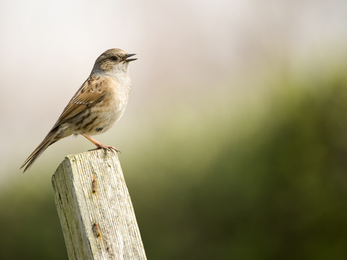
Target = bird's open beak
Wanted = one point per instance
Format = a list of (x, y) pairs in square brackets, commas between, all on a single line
[(128, 56)]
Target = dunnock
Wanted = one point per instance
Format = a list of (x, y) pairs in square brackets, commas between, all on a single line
[(98, 104)]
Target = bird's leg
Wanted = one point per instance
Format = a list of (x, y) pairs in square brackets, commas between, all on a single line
[(99, 145)]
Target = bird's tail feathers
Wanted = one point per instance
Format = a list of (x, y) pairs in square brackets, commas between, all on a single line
[(49, 139)]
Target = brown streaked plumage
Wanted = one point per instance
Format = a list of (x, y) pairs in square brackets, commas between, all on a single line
[(97, 105)]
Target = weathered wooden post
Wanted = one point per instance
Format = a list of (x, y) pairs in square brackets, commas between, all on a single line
[(94, 207)]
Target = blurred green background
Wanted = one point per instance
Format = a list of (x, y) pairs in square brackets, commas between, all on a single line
[(234, 141)]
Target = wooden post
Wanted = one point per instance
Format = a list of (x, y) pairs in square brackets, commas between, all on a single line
[(94, 207)]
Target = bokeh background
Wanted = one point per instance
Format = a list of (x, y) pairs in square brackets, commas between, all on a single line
[(234, 142)]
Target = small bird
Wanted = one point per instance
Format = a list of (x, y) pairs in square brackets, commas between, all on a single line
[(97, 105)]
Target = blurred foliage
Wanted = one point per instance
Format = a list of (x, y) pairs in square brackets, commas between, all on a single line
[(30, 227), (270, 185)]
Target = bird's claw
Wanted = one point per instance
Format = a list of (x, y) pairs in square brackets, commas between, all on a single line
[(107, 148)]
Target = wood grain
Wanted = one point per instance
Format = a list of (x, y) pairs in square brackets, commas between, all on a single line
[(95, 208)]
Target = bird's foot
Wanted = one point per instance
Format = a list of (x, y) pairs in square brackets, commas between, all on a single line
[(100, 146), (106, 147)]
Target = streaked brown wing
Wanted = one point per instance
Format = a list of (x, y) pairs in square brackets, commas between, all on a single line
[(90, 93)]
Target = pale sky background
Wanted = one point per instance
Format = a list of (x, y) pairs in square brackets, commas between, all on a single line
[(186, 49)]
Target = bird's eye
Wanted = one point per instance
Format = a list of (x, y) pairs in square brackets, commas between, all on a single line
[(114, 58)]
